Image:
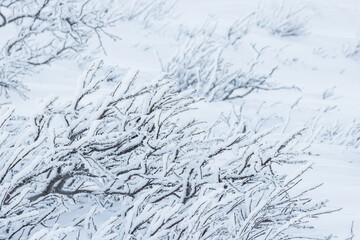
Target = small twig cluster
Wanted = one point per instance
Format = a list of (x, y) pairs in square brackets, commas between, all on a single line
[(200, 64), (146, 11), (283, 19), (340, 135), (46, 31)]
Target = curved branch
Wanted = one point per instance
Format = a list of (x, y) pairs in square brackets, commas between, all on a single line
[(3, 20)]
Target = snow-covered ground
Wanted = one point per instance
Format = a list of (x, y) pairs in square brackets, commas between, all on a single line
[(326, 80)]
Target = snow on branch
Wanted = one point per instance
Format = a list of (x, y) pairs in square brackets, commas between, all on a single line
[(283, 18), (348, 136), (45, 31), (123, 162), (145, 11), (200, 64)]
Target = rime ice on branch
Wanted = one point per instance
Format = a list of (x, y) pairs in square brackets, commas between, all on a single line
[(127, 157)]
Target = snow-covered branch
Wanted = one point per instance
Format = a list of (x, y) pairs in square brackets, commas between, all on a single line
[(283, 19), (128, 152), (200, 64), (45, 31), (49, 30)]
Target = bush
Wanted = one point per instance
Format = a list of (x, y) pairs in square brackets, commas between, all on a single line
[(145, 11), (199, 64), (45, 31), (49, 30), (282, 19), (340, 135), (128, 158)]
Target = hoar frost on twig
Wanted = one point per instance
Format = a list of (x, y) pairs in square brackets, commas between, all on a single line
[(45, 31), (283, 19), (49, 30), (200, 64), (128, 153)]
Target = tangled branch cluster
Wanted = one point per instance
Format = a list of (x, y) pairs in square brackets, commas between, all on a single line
[(44, 31), (338, 134), (200, 65), (127, 157), (282, 19)]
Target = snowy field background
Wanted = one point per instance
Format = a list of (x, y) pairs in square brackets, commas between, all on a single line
[(315, 86)]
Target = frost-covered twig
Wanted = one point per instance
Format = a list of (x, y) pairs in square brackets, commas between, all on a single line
[(200, 64), (338, 134), (283, 19), (45, 31), (126, 155)]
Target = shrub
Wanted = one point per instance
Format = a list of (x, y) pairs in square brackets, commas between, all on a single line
[(41, 32), (145, 11), (45, 31), (283, 19), (128, 158), (340, 135), (199, 64)]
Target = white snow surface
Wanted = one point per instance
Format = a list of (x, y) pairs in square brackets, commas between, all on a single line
[(314, 62)]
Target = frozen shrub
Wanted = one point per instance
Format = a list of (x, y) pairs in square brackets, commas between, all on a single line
[(283, 19), (41, 32), (340, 135), (127, 157), (145, 11), (239, 29), (199, 64), (44, 31)]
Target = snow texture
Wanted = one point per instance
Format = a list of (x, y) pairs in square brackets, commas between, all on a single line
[(157, 119)]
